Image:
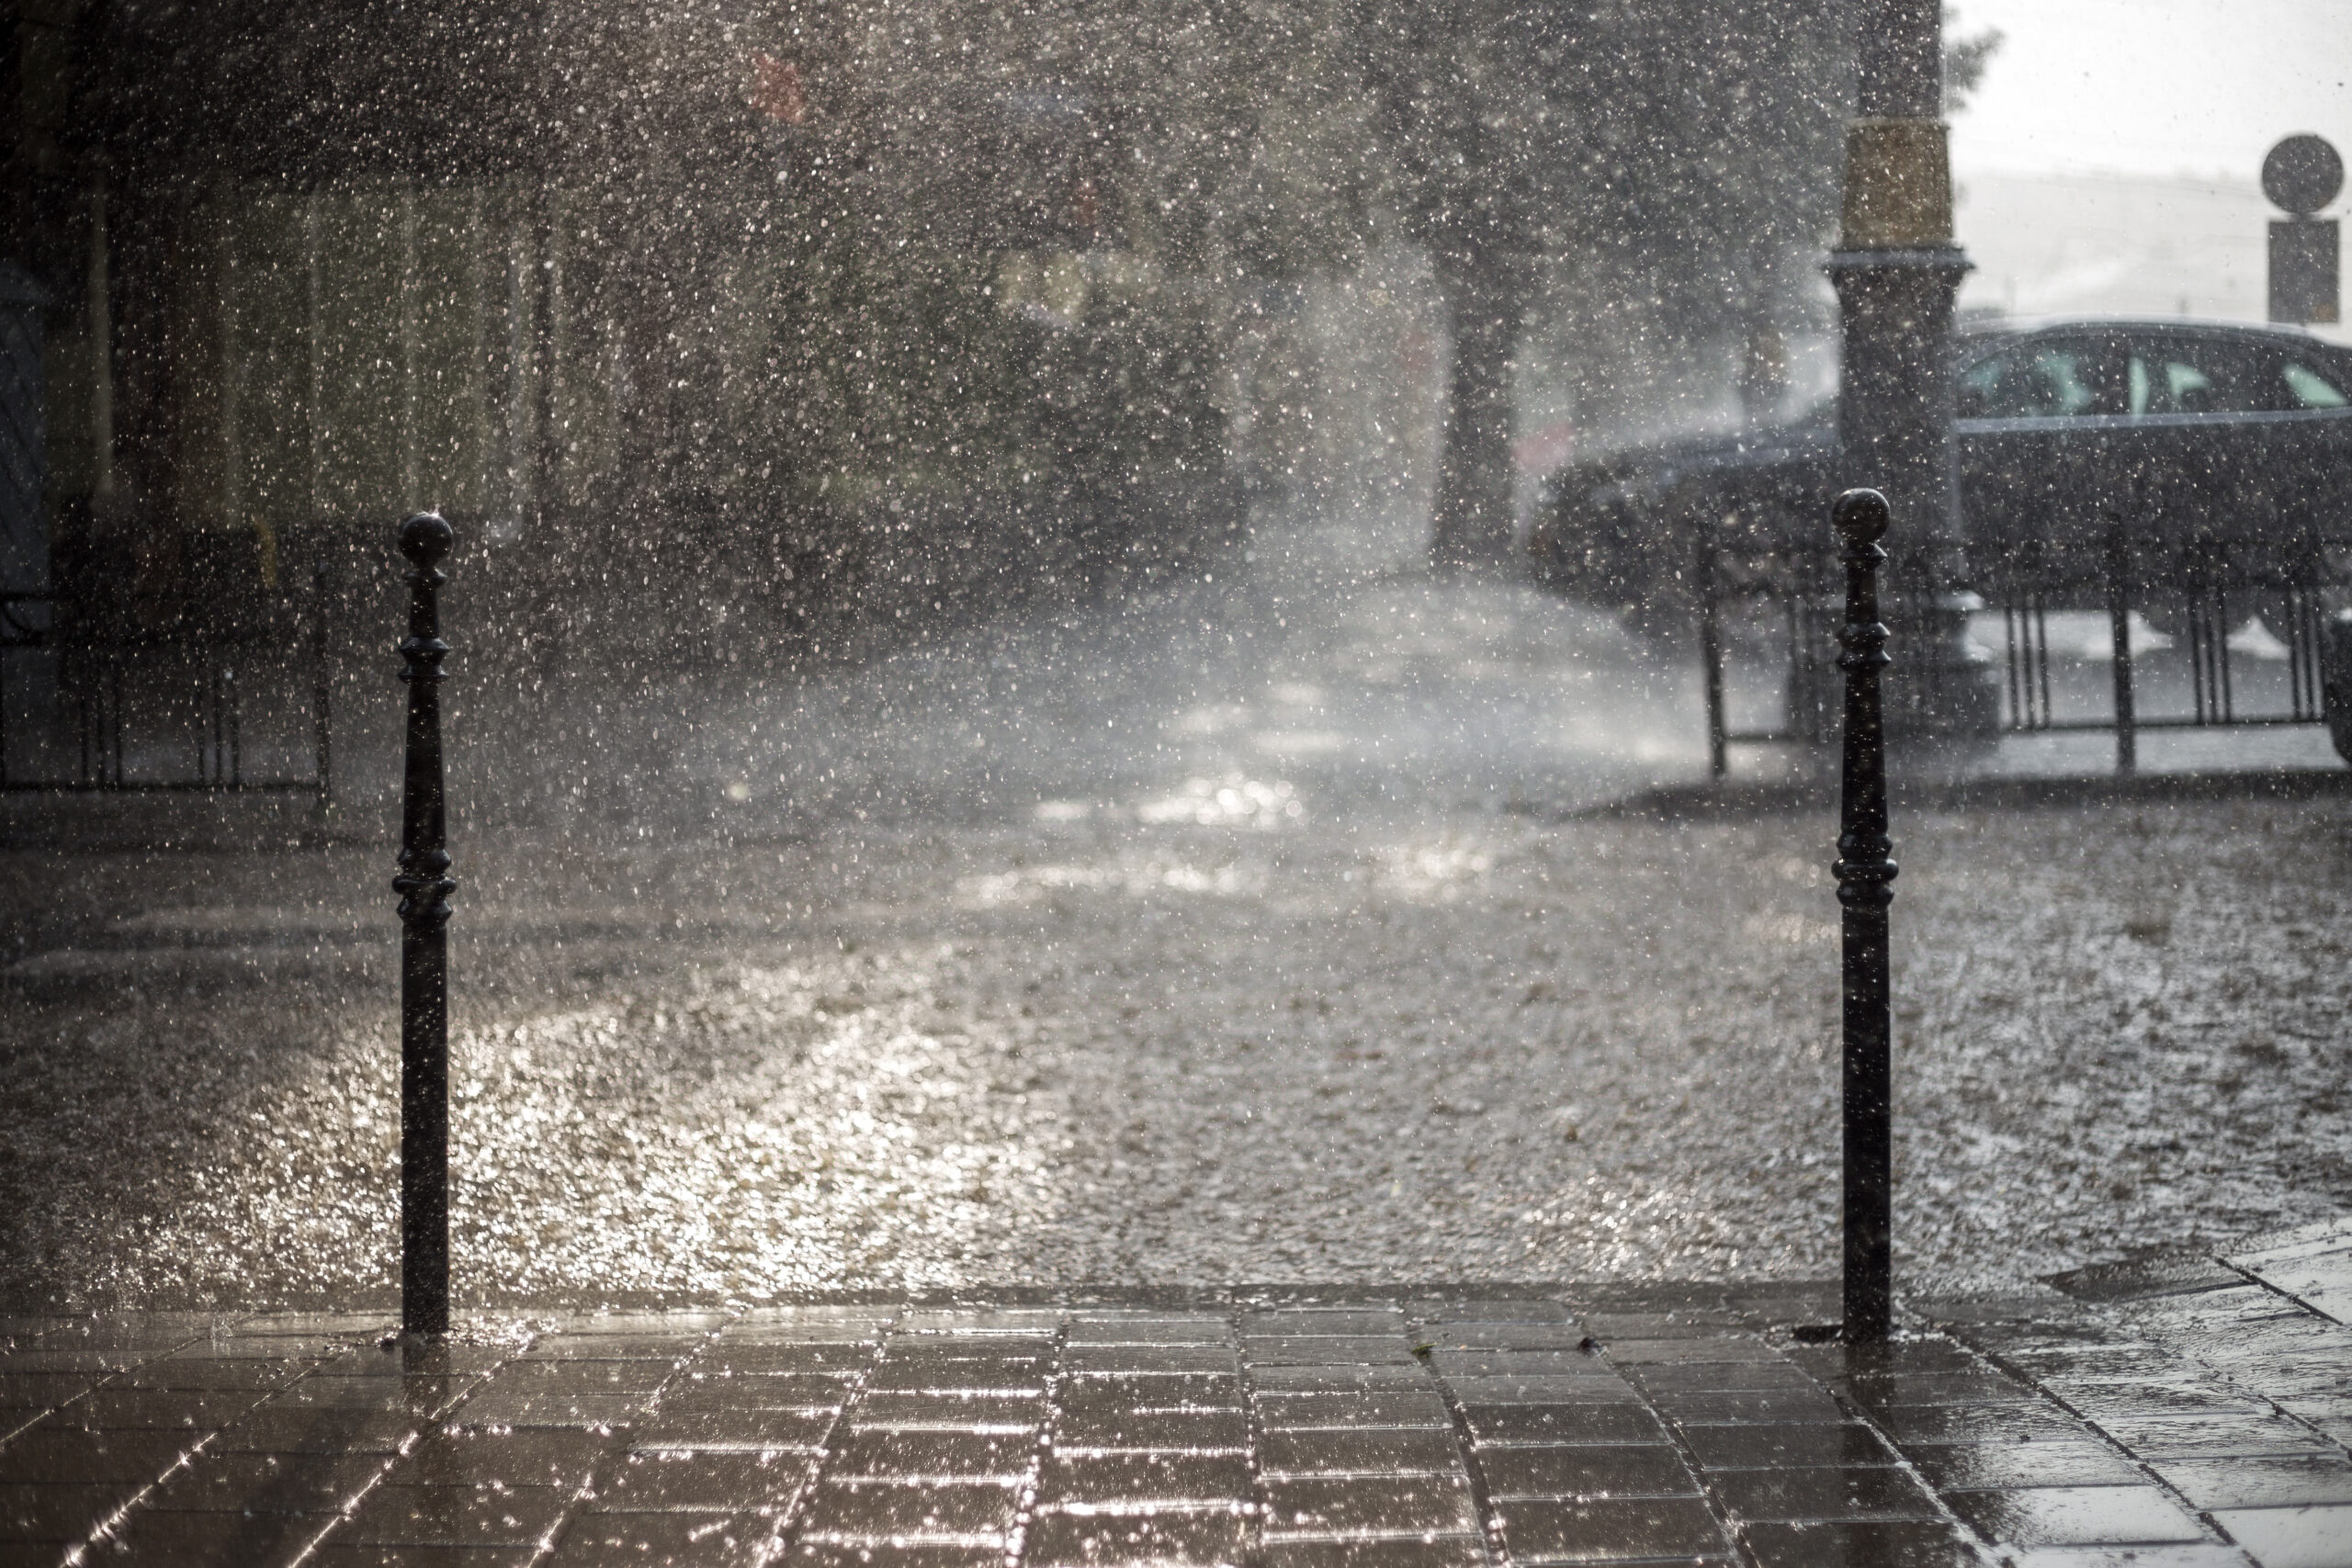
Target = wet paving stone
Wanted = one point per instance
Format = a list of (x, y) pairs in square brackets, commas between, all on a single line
[(1143, 1481), (1980, 1466), (2270, 1481), (1365, 1452), (1773, 1445), (480, 1515), (1307, 1412), (58, 1513), (1611, 1530), (1585, 1471), (1219, 1539), (1859, 1545), (1112, 1430), (269, 1483), (887, 1510), (1826, 1492), (662, 1540), (1303, 1437), (1620, 1422), (1373, 1551), (149, 1536), (1395, 1505), (2076, 1515), (889, 1454), (699, 1482), (2291, 1538), (64, 1455), (766, 1431), (334, 1556)]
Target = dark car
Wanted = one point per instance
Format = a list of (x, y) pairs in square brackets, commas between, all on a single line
[(2231, 439)]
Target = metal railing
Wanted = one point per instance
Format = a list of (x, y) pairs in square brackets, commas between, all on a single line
[(2191, 636), (93, 699)]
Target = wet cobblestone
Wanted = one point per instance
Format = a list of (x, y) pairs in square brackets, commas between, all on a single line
[(2176, 1412)]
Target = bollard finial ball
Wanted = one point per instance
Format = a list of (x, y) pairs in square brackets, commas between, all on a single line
[(426, 538), (1859, 517)]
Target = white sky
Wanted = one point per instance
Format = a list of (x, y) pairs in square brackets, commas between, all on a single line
[(2199, 88)]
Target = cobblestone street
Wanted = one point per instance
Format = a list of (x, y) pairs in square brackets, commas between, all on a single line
[(2183, 1411)]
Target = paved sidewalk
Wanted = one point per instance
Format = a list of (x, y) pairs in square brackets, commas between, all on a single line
[(2180, 1411)]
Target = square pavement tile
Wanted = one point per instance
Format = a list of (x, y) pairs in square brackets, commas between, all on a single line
[(58, 1513), (1444, 1551), (457, 1515), (1822, 1493), (1366, 1451), (1610, 1529), (1412, 1505), (1587, 1470), (959, 1377), (2076, 1515), (2292, 1537), (2272, 1481), (1030, 1322), (269, 1483), (662, 1540), (1775, 1447), (1562, 1424), (1963, 1467), (1167, 1541), (782, 1392), (1907, 1544), (888, 1510), (1143, 1481), (700, 1482)]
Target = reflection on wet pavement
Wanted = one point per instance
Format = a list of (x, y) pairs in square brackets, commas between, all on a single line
[(1422, 1426)]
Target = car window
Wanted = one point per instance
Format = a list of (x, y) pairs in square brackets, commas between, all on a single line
[(2043, 379), (2312, 388), (2216, 376)]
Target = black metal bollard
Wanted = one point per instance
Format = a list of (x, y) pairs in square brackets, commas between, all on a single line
[(424, 888), (1864, 871), (2118, 627)]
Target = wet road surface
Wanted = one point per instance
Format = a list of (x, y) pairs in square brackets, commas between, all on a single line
[(1254, 933)]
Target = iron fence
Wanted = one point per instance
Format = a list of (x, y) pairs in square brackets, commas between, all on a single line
[(97, 694), (2127, 636)]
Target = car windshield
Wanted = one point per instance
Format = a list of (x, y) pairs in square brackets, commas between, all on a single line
[(2041, 379)]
